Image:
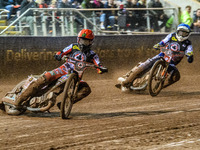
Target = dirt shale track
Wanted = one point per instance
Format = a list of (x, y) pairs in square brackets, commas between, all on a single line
[(109, 119)]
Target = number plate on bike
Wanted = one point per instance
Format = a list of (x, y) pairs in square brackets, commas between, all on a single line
[(80, 66)]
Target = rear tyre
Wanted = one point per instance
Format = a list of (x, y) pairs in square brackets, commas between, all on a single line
[(13, 94), (155, 81), (68, 98)]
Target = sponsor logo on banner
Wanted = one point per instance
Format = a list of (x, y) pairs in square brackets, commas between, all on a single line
[(25, 55)]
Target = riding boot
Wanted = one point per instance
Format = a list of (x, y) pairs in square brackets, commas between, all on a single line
[(139, 70), (83, 92), (133, 74), (31, 90), (171, 79)]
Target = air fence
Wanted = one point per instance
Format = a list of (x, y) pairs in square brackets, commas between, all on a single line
[(22, 56), (69, 21)]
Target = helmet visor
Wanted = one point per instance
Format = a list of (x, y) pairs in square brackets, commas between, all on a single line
[(85, 42), (182, 33)]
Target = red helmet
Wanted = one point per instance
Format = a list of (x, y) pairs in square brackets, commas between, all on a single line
[(86, 34), (85, 39)]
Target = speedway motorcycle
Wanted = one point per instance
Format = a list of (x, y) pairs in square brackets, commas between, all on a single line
[(158, 73), (67, 84), (153, 80)]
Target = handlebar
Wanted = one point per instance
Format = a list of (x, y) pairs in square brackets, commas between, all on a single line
[(83, 64), (170, 52)]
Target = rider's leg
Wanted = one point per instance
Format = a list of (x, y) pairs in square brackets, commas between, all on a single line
[(31, 90), (173, 77), (83, 91), (138, 70), (129, 77), (35, 86)]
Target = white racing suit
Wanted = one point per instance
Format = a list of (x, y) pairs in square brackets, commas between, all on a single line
[(144, 67)]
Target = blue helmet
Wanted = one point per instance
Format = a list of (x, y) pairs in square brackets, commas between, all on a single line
[(183, 32)]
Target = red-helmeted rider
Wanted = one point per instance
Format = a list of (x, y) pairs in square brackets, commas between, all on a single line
[(178, 41), (80, 51)]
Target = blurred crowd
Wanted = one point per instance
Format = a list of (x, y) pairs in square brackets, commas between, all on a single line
[(134, 20)]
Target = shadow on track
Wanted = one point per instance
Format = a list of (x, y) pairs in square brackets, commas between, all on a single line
[(179, 94), (43, 115), (125, 114), (77, 115)]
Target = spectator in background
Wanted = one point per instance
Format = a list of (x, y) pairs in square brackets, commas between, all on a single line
[(128, 4), (135, 14), (157, 15), (41, 4), (141, 15), (196, 21), (49, 18), (76, 4), (122, 18), (109, 17), (48, 2), (130, 15), (99, 4), (53, 4), (87, 5), (12, 6), (28, 18), (160, 14), (185, 16), (64, 4), (153, 18)]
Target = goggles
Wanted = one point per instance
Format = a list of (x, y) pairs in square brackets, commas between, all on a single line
[(85, 42), (182, 33)]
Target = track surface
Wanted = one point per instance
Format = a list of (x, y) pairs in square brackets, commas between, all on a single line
[(109, 119)]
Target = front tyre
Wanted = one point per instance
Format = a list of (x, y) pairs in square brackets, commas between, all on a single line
[(155, 81), (68, 98)]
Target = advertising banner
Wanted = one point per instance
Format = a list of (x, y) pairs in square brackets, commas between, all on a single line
[(33, 55)]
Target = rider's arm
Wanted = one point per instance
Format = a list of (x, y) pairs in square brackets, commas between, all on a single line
[(65, 51), (97, 62), (163, 42), (189, 53)]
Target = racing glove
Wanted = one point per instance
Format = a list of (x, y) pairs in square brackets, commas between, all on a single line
[(102, 70), (190, 57), (157, 46), (58, 56)]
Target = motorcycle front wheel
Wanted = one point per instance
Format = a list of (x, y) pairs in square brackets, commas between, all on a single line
[(69, 94), (155, 81)]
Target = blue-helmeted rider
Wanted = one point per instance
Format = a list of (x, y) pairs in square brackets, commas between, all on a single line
[(178, 41)]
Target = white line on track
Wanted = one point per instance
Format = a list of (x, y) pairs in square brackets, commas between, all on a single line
[(176, 144)]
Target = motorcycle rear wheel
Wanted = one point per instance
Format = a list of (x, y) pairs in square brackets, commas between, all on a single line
[(11, 110), (155, 81), (68, 98)]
